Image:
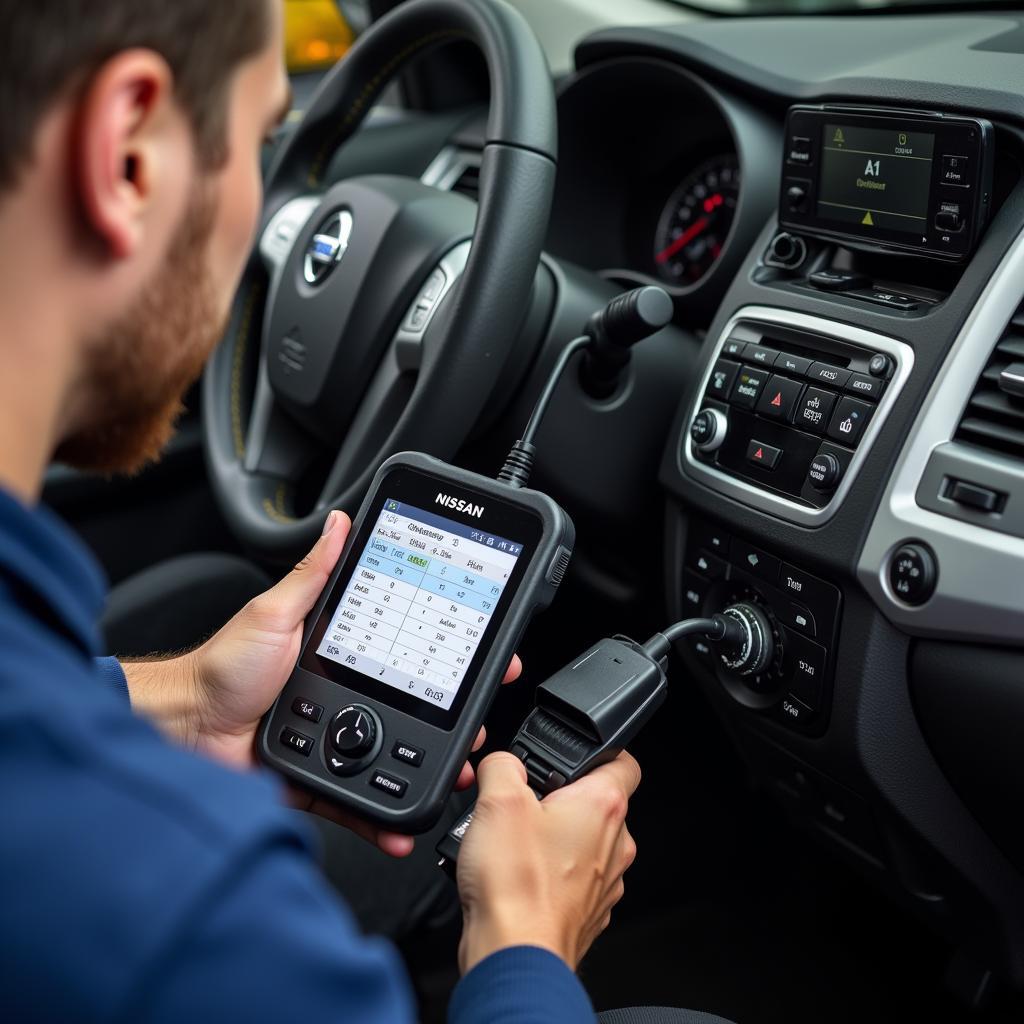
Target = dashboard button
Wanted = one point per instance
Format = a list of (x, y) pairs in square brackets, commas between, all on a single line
[(912, 573), (949, 218), (760, 355), (849, 420), (796, 191), (806, 668), (755, 561), (709, 566), (748, 387), (779, 398), (763, 455), (803, 587), (795, 365), (734, 347), (813, 410), (799, 618), (827, 374), (721, 379), (867, 387), (695, 589), (799, 152), (974, 496), (297, 741), (894, 300), (824, 472), (880, 365), (954, 170), (710, 537)]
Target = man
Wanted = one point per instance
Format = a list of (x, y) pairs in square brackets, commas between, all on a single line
[(152, 874)]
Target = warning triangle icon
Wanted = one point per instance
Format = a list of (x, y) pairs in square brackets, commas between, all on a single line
[(777, 400), (867, 219), (759, 454)]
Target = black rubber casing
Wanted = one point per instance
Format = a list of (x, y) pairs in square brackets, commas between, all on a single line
[(444, 749)]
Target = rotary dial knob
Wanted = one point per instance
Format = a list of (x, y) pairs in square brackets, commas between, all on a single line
[(352, 731), (753, 653)]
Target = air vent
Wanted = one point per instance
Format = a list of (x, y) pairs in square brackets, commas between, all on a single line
[(994, 418)]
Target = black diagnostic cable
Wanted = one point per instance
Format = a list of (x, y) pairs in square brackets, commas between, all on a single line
[(609, 335), (588, 711)]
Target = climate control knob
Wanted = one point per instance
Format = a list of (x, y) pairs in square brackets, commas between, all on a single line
[(754, 647)]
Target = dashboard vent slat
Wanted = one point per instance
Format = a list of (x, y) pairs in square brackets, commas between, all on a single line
[(994, 420)]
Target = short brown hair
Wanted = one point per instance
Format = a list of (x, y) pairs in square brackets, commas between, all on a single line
[(49, 46)]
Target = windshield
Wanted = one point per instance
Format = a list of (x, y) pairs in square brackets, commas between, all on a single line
[(768, 7)]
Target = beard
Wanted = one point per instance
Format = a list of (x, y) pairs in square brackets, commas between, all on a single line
[(139, 370)]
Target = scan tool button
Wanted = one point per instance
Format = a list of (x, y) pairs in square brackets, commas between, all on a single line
[(407, 753), (297, 742), (392, 786)]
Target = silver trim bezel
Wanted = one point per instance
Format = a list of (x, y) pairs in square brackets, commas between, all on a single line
[(980, 590), (750, 494)]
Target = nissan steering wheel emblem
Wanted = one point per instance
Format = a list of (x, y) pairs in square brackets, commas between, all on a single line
[(327, 247)]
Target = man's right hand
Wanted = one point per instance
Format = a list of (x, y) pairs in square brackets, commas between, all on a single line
[(544, 872)]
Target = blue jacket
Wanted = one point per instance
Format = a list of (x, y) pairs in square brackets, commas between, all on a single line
[(139, 882)]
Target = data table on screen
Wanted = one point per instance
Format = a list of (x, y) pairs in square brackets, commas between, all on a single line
[(418, 603)]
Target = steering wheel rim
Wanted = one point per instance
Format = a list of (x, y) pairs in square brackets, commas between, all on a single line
[(469, 333)]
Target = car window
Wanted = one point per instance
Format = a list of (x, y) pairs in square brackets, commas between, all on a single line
[(317, 33)]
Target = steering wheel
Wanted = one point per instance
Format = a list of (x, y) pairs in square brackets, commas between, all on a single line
[(377, 314)]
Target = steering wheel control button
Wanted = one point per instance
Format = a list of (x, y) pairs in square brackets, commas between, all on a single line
[(408, 753), (434, 286), (864, 386), (327, 247), (307, 709), (392, 786), (297, 741), (880, 365), (825, 472), (913, 573), (849, 420), (795, 365), (708, 430), (835, 376), (721, 380), (779, 399), (748, 387), (763, 455), (756, 562), (352, 732)]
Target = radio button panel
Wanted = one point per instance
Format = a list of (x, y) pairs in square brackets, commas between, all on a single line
[(819, 404)]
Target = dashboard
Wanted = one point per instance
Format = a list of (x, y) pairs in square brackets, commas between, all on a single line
[(844, 239), (833, 433)]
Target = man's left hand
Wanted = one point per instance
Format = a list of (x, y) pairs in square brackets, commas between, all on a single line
[(211, 699)]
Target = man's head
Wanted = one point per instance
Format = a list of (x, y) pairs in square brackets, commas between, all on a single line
[(130, 133)]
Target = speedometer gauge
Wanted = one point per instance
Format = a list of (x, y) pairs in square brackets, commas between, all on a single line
[(696, 220)]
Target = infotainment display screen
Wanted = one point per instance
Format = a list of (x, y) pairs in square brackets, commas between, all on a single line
[(886, 179), (876, 178)]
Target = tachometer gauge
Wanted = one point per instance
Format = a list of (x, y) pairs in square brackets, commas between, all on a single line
[(696, 220)]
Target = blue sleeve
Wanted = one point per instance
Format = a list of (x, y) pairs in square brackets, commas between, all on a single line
[(522, 985), (112, 675), (265, 944)]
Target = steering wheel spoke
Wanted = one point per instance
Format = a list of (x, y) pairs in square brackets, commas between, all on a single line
[(275, 445), (282, 229)]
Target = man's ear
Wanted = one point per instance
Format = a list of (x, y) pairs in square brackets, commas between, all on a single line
[(131, 148)]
